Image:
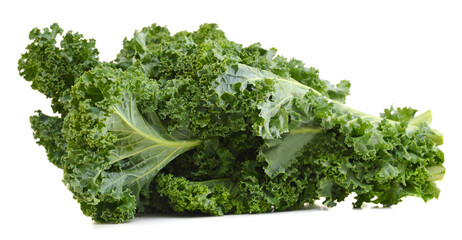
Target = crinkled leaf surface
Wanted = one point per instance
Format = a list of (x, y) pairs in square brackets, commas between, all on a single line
[(277, 108)]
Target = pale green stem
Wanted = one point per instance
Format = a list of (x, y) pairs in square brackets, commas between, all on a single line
[(305, 130), (436, 172)]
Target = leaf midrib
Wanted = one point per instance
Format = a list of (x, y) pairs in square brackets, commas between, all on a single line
[(157, 140)]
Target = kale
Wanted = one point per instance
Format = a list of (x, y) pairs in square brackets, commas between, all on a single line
[(193, 122)]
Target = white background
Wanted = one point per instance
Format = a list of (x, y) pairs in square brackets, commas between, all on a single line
[(405, 53)]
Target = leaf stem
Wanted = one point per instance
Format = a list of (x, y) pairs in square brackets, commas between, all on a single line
[(158, 140), (213, 182), (436, 172), (305, 130)]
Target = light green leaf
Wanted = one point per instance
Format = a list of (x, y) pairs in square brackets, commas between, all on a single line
[(388, 171), (280, 153), (142, 149), (276, 110)]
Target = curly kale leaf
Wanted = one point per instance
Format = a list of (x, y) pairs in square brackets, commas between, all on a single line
[(276, 116), (408, 169), (211, 197), (143, 145), (47, 131), (114, 151), (53, 69)]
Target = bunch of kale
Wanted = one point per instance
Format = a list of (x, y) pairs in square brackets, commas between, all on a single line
[(193, 122)]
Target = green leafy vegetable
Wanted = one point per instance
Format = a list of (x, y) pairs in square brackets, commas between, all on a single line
[(193, 122)]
